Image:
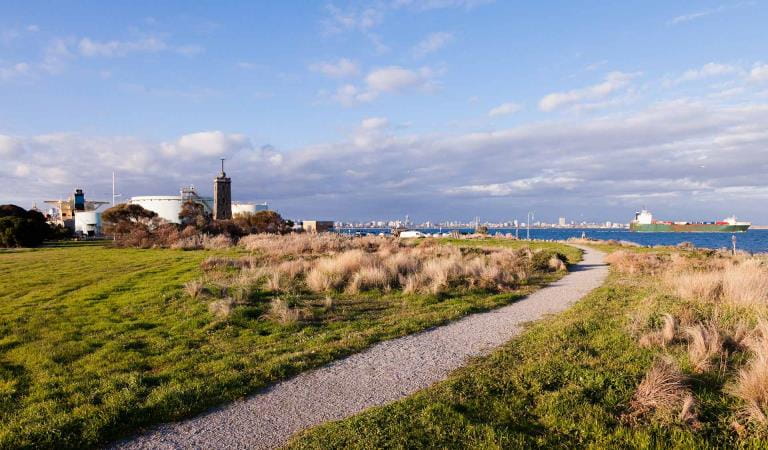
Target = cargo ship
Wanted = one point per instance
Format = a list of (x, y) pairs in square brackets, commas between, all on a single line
[(644, 222)]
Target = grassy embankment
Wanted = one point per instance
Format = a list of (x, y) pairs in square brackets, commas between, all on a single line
[(669, 352), (98, 342)]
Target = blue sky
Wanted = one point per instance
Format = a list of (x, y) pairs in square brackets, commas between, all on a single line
[(441, 109)]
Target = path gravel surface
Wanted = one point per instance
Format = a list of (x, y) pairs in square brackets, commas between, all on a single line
[(386, 372)]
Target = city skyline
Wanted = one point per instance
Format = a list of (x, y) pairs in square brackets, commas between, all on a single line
[(441, 109)]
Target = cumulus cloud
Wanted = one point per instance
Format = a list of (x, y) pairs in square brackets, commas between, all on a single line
[(504, 109), (432, 43), (613, 82), (342, 68), (678, 155), (392, 79), (207, 143)]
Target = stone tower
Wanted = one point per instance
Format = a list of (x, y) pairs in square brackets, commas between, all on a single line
[(222, 195)]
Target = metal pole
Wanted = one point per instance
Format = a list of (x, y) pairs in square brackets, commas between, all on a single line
[(528, 227), (733, 243)]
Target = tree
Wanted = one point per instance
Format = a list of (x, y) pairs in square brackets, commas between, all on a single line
[(22, 228), (125, 218), (193, 213), (263, 222)]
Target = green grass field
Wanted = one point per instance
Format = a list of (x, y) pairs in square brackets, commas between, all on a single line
[(566, 382), (97, 342)]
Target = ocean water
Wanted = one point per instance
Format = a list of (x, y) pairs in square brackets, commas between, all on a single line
[(751, 240)]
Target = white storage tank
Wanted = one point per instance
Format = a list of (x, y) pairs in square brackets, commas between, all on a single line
[(88, 223), (167, 207), (248, 208)]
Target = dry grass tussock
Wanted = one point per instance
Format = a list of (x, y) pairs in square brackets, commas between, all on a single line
[(663, 393), (310, 244), (194, 288), (705, 344), (662, 337), (295, 265), (751, 384), (281, 311), (222, 308), (637, 263), (740, 281), (433, 269)]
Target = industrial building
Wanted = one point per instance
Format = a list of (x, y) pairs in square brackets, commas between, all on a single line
[(77, 213), (220, 206), (80, 215)]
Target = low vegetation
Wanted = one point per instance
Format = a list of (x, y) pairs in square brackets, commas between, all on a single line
[(22, 228), (97, 342), (671, 352), (133, 226)]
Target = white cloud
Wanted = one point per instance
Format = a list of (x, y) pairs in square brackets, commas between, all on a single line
[(759, 73), (33, 28), (614, 82), (150, 44), (432, 43), (708, 70), (504, 109), (373, 123), (361, 19), (518, 186), (392, 79), (425, 5), (207, 143), (342, 68), (706, 12), (89, 47), (10, 146), (14, 71), (675, 154), (395, 78)]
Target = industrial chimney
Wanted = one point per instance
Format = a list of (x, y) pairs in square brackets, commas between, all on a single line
[(222, 195)]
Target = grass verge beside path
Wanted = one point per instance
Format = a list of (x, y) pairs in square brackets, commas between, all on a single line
[(98, 342), (565, 382)]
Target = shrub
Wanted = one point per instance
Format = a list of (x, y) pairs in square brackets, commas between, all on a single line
[(544, 261), (22, 228)]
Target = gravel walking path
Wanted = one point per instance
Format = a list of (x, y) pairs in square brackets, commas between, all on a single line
[(386, 372)]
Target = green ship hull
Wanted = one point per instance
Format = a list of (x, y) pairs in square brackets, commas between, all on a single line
[(687, 228)]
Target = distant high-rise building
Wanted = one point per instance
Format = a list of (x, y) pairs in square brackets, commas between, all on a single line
[(222, 195), (561, 221)]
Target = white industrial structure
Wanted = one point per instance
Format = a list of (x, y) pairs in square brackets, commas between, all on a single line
[(248, 208), (168, 207), (88, 223)]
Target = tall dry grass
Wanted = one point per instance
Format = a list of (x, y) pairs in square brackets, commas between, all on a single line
[(751, 384), (637, 263), (663, 393)]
